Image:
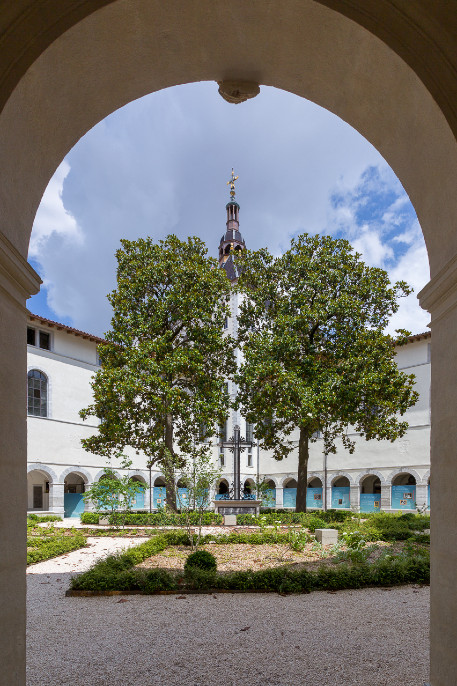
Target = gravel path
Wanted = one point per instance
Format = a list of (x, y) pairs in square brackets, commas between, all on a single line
[(348, 638)]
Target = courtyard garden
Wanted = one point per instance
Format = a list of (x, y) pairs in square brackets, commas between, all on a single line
[(277, 551)]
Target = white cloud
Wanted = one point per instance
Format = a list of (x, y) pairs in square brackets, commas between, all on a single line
[(52, 218), (369, 244), (159, 165)]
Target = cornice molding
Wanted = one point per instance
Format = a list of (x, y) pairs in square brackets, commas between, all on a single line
[(17, 278), (439, 296)]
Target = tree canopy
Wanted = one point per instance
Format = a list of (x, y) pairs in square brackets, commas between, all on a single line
[(165, 361), (316, 356)]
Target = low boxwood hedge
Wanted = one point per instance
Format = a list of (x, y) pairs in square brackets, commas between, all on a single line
[(152, 519), (50, 544), (118, 573)]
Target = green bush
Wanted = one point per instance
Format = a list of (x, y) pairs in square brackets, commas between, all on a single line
[(152, 519), (117, 572), (202, 559), (50, 544), (38, 519), (90, 518)]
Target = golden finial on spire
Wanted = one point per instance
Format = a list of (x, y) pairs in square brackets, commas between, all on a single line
[(231, 183)]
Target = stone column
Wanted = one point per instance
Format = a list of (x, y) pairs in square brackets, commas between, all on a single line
[(421, 496), (279, 497), (354, 495), (17, 282), (88, 506), (439, 297), (386, 492), (56, 498)]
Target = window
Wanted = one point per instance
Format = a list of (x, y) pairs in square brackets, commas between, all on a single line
[(226, 323), (222, 458), (44, 340), (202, 433), (40, 339), (37, 394), (249, 432), (249, 457), (223, 432)]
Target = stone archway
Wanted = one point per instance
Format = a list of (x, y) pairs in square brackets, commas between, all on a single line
[(387, 68)]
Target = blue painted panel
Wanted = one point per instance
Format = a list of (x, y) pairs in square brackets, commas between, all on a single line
[(158, 497), (138, 502), (428, 497), (313, 497), (290, 497), (269, 498), (341, 497), (403, 497), (370, 502), (181, 498), (73, 504), (221, 496)]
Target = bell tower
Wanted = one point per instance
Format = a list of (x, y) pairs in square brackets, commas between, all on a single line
[(232, 239)]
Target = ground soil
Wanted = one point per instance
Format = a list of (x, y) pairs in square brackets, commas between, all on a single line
[(242, 556)]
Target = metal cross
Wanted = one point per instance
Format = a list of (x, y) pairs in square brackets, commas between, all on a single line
[(236, 445)]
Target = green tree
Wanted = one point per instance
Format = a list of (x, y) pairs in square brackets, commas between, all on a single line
[(166, 361), (315, 353), (113, 493), (197, 477)]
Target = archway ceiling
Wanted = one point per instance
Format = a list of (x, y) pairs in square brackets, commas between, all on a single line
[(62, 82), (422, 33)]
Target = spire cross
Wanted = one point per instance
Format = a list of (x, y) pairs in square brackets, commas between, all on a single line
[(231, 183)]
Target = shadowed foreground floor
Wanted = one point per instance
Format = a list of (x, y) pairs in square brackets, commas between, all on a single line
[(348, 638)]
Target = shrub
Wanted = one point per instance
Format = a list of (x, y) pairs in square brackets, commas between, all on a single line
[(37, 519), (202, 559), (90, 518), (50, 544), (152, 519)]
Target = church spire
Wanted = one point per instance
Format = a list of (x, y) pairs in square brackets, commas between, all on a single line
[(232, 239)]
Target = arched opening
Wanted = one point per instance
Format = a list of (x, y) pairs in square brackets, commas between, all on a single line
[(269, 493), (341, 493), (38, 487), (74, 487), (370, 493), (350, 64), (159, 493), (248, 491), (314, 493), (290, 493), (223, 490), (403, 492), (137, 502), (182, 494)]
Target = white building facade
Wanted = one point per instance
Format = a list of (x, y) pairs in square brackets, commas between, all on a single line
[(62, 360)]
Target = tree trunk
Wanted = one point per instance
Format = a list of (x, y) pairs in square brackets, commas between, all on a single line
[(302, 481), (170, 467)]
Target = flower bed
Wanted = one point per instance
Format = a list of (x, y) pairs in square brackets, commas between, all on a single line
[(123, 572)]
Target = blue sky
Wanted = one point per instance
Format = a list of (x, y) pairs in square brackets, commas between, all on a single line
[(160, 165)]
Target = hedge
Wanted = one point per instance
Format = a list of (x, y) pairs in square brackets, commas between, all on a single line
[(118, 573), (152, 519), (50, 545), (37, 519)]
